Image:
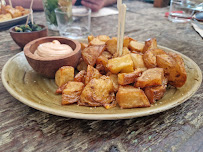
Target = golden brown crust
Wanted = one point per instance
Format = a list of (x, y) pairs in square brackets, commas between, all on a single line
[(131, 97)]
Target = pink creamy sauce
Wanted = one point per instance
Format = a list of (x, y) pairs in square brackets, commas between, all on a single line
[(52, 49)]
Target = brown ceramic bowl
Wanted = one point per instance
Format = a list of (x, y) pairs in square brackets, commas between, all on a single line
[(21, 39), (48, 66)]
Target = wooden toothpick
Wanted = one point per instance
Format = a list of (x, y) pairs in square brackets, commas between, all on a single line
[(121, 26), (10, 3), (31, 11), (31, 14)]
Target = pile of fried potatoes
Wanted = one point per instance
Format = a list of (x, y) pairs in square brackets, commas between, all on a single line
[(8, 12), (138, 78)]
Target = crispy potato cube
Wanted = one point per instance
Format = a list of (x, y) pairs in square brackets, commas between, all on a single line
[(61, 88), (136, 46), (131, 97), (71, 93), (91, 53), (91, 74), (20, 8), (101, 68), (149, 57), (103, 38), (80, 77), (90, 38), (5, 17), (174, 68), (14, 12), (82, 65), (111, 46), (102, 60), (96, 41), (120, 64), (26, 11), (125, 51), (150, 77), (63, 75), (114, 79), (83, 45), (98, 92), (126, 41), (107, 54), (131, 39), (155, 93), (150, 44), (128, 78), (138, 61)]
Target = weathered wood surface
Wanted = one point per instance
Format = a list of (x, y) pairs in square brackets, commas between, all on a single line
[(180, 129)]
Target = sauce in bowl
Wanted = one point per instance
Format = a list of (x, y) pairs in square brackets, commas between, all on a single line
[(52, 49)]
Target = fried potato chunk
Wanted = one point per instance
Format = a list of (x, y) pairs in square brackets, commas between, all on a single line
[(131, 97), (114, 79), (111, 46), (174, 68), (157, 92), (101, 68), (103, 38), (128, 78), (149, 57), (107, 54), (82, 65), (126, 41), (90, 38), (91, 53), (136, 46), (63, 75), (150, 44), (91, 74), (61, 88), (101, 63), (98, 92), (102, 60), (20, 8), (83, 45), (71, 93), (122, 64), (150, 77), (138, 61), (5, 17), (14, 12), (96, 41), (125, 51), (80, 77)]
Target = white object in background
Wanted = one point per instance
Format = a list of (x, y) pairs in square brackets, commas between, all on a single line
[(105, 11)]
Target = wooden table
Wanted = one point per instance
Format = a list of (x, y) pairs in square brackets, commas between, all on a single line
[(179, 129)]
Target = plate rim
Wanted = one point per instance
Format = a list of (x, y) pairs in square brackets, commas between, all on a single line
[(93, 116)]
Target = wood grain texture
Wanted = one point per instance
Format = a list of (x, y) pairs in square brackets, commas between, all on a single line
[(179, 129)]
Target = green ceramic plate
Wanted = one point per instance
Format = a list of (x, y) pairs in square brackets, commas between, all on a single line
[(38, 92)]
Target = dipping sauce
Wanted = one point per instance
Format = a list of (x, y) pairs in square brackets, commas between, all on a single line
[(52, 49)]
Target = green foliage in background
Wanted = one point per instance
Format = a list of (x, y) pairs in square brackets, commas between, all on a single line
[(50, 6)]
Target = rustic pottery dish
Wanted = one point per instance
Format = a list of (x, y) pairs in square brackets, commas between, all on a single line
[(30, 88), (22, 38), (48, 66)]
